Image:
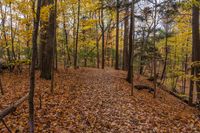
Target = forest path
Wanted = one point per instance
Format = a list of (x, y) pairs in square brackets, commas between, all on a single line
[(99, 101)]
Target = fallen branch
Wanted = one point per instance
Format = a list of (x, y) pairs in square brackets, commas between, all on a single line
[(174, 94), (6, 126), (143, 86), (12, 107)]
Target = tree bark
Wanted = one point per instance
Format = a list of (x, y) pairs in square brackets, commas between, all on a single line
[(77, 37), (12, 35), (166, 54), (54, 47), (32, 71), (97, 45), (126, 32), (103, 36), (12, 108), (48, 55), (195, 53), (154, 56), (43, 38), (131, 43), (117, 37)]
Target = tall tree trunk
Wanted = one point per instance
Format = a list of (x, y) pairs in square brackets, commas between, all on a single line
[(142, 52), (54, 47), (12, 35), (102, 32), (66, 40), (126, 32), (195, 52), (97, 45), (186, 71), (48, 56), (32, 72), (154, 57), (77, 36), (166, 54), (117, 37), (43, 38), (131, 43)]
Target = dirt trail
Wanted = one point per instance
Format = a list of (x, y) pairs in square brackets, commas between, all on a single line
[(98, 101)]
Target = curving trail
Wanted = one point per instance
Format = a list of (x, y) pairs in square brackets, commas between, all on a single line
[(98, 101)]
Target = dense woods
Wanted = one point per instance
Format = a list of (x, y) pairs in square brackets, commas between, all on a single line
[(57, 57)]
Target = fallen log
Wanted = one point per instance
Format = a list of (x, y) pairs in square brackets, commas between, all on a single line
[(12, 107), (144, 86), (174, 94)]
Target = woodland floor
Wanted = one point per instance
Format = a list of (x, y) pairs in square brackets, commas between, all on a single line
[(97, 101)]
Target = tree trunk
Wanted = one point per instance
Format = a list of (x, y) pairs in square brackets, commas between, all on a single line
[(117, 37), (166, 54), (154, 57), (102, 32), (48, 55), (131, 43), (142, 53), (126, 32), (195, 52), (43, 38), (97, 45), (77, 36), (66, 40), (186, 72), (32, 72), (54, 47), (12, 35)]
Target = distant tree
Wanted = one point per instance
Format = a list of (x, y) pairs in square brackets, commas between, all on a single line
[(77, 36), (117, 36), (102, 25)]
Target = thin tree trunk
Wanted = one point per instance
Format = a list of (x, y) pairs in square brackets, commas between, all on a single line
[(186, 72), (32, 72), (166, 54), (77, 37), (11, 31), (54, 47), (126, 32), (43, 38), (97, 45), (1, 87), (66, 39), (154, 60), (142, 53), (117, 37), (102, 32)]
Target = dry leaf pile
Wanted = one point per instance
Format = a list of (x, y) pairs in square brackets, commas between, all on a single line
[(97, 101)]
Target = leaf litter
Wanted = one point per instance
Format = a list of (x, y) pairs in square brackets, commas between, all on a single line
[(90, 100)]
